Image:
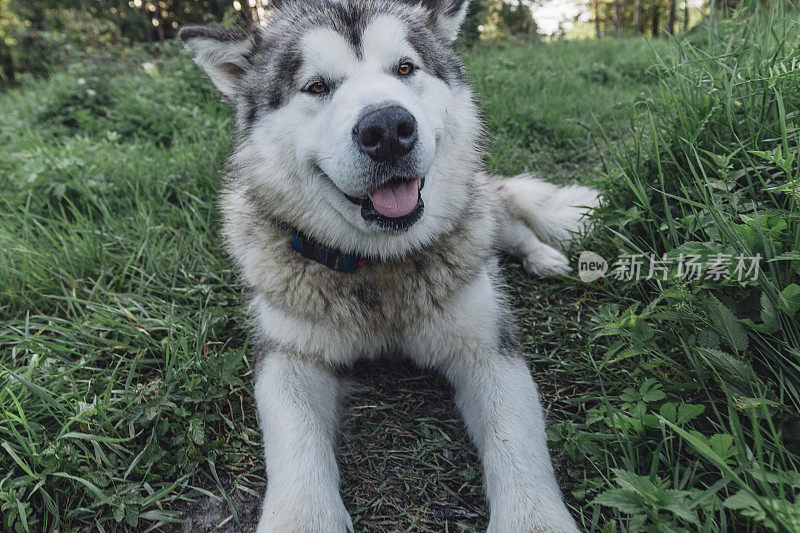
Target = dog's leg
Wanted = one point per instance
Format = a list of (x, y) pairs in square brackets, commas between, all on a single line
[(537, 220), (501, 409), (298, 406), (475, 347), (538, 259)]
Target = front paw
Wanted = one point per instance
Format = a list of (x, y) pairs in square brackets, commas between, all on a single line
[(326, 515), (524, 515), (544, 261)]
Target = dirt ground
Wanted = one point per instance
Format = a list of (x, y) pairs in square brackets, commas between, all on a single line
[(405, 461)]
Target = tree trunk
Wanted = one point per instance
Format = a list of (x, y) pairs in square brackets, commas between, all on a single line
[(655, 23), (150, 28), (619, 16), (671, 18), (6, 65), (685, 16), (160, 30), (596, 7), (637, 21)]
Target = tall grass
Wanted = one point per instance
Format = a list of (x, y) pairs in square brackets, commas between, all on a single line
[(122, 369), (710, 438)]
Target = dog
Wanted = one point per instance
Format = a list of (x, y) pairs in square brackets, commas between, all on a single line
[(357, 211)]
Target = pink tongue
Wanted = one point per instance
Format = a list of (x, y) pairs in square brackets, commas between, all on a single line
[(396, 200)]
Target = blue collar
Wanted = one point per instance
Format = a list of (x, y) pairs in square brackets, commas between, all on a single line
[(333, 259)]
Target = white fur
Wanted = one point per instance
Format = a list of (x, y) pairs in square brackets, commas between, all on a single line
[(499, 402), (301, 158), (326, 54), (384, 42), (449, 26), (298, 399), (501, 409), (305, 148), (222, 61), (554, 213), (319, 341), (298, 404), (541, 220)]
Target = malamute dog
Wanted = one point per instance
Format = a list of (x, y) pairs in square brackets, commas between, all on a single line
[(357, 211)]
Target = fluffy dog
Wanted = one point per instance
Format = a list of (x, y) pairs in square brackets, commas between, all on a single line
[(357, 211)]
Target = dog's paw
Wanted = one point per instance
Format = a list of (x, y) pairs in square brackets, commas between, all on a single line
[(305, 517), (545, 261), (531, 522), (526, 514)]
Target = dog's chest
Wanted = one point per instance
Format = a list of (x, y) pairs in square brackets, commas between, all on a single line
[(388, 297)]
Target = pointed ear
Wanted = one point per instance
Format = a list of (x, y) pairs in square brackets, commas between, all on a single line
[(222, 54), (448, 16)]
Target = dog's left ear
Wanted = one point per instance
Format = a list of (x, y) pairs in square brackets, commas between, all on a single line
[(448, 16), (222, 54)]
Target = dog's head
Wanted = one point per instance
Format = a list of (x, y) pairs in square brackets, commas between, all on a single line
[(354, 120)]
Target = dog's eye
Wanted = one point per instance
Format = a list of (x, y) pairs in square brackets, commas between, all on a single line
[(405, 68), (317, 87)]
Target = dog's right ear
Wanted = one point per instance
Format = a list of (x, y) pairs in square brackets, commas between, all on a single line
[(448, 15), (222, 54)]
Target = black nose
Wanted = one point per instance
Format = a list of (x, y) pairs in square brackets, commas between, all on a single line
[(386, 134)]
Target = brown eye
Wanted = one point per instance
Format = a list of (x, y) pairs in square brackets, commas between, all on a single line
[(405, 68), (317, 87)]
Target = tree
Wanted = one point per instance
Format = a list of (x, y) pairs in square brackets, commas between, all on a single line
[(495, 20), (7, 28), (671, 18), (685, 16), (656, 21), (619, 16), (166, 16), (637, 20)]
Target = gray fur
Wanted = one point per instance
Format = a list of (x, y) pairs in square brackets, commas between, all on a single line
[(274, 58), (429, 292)]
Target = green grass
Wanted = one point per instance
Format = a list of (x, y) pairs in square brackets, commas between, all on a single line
[(124, 378), (544, 105), (706, 416)]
